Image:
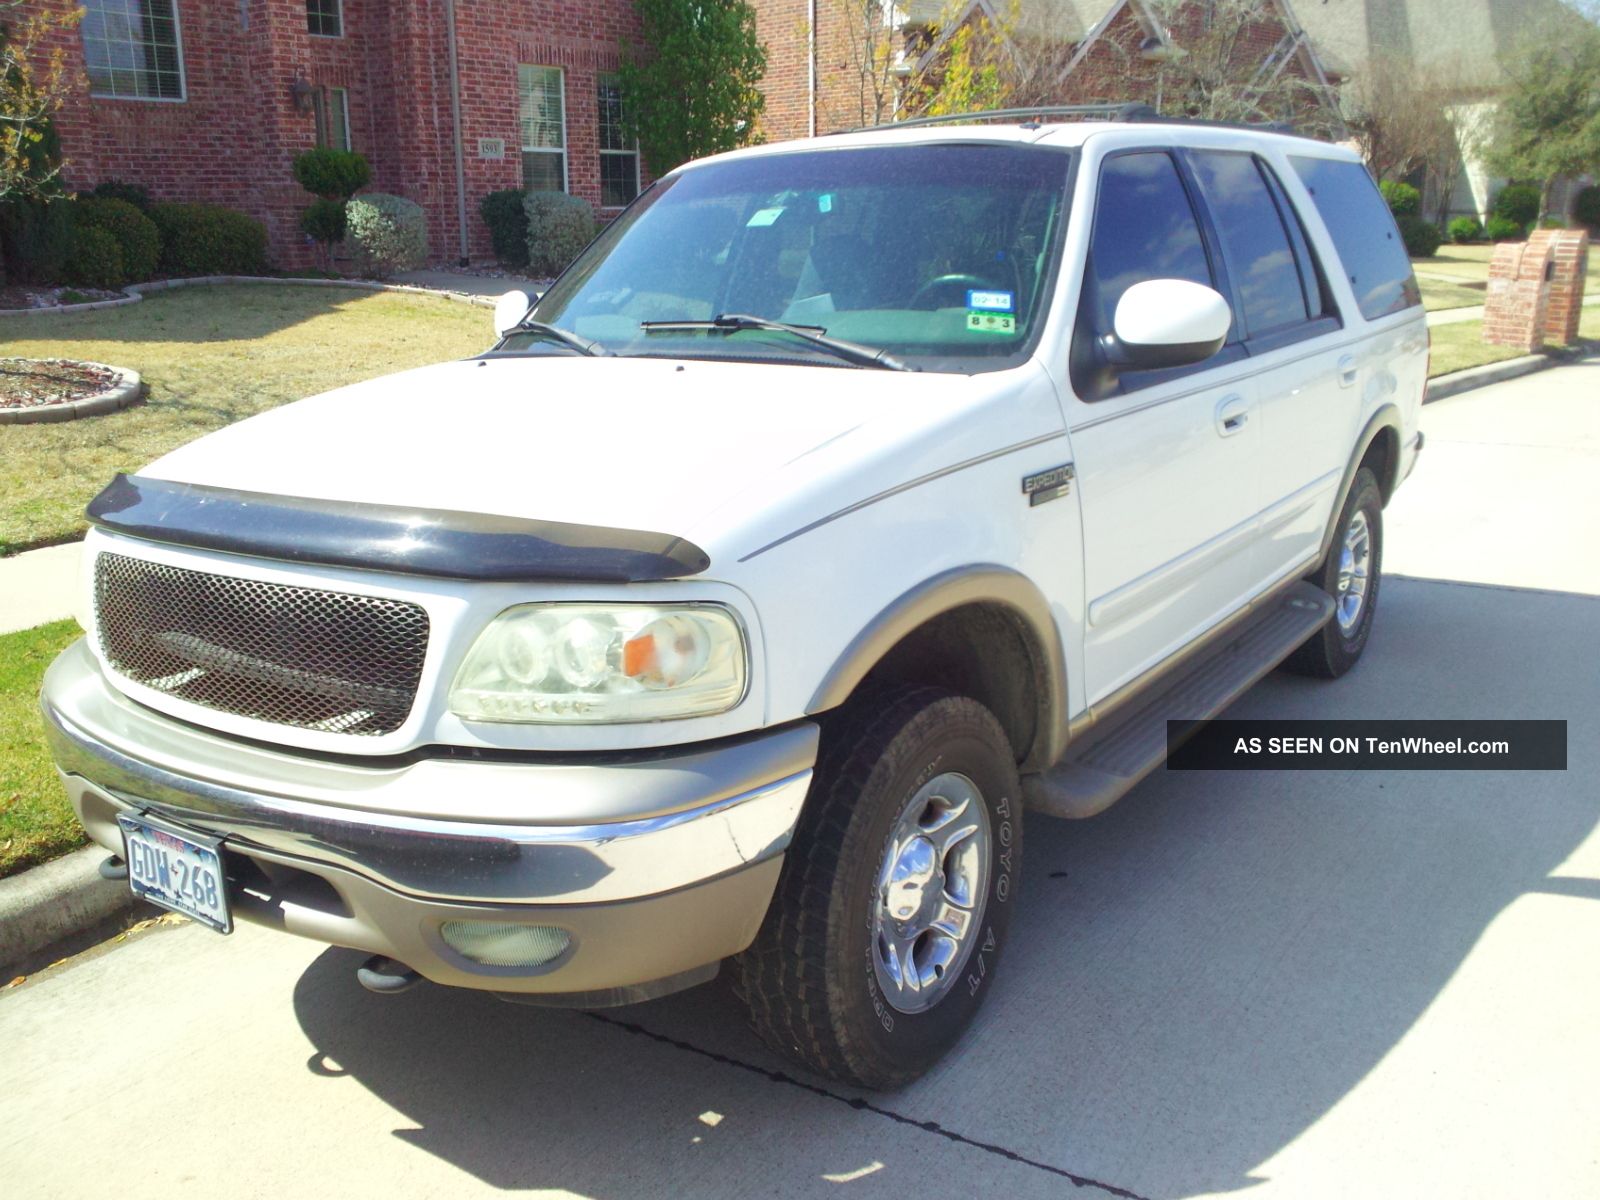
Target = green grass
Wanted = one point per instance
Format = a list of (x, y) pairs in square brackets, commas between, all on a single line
[(36, 822), (1471, 264), (211, 356), (1437, 294), (1460, 345)]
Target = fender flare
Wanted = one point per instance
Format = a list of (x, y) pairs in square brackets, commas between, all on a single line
[(1387, 418), (979, 583)]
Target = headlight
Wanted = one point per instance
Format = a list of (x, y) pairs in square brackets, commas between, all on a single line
[(576, 663)]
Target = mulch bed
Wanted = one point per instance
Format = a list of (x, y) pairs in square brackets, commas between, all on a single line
[(14, 296), (36, 382)]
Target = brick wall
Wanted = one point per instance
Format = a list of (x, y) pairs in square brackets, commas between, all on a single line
[(233, 139)]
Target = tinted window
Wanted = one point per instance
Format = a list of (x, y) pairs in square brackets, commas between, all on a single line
[(1364, 234), (1144, 228), (1255, 243)]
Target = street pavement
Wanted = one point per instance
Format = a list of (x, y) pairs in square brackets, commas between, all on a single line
[(1304, 985)]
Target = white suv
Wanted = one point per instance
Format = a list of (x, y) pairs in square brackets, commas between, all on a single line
[(975, 452)]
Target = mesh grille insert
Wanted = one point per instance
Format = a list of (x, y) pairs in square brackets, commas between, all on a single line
[(329, 661)]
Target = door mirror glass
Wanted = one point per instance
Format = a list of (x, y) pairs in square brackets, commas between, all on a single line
[(510, 309), (1162, 323)]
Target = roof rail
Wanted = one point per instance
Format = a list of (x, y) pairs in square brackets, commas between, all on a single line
[(1126, 111)]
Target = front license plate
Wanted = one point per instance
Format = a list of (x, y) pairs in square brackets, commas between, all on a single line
[(177, 870)]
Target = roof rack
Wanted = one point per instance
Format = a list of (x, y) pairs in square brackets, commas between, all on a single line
[(1122, 112)]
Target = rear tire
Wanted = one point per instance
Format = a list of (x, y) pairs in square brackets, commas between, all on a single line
[(1351, 574), (896, 895)]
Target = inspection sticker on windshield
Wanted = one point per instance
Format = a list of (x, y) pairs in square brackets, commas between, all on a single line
[(765, 217), (991, 322), (990, 301)]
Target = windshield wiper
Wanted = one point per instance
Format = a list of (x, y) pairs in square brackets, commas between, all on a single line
[(551, 333), (854, 352)]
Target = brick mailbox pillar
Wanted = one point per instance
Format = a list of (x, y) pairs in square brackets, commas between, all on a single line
[(1536, 290)]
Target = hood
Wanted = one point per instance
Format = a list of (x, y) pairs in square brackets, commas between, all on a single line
[(651, 444)]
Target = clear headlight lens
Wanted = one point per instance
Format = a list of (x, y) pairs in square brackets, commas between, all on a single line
[(577, 663)]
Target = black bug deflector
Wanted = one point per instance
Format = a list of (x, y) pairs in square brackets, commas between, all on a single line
[(380, 537)]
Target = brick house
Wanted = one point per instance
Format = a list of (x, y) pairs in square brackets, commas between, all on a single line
[(211, 100)]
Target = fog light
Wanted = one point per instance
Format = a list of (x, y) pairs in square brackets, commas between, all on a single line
[(502, 944)]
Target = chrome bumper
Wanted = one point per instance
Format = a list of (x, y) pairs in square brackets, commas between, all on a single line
[(655, 864)]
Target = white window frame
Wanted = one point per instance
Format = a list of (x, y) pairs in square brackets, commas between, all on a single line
[(338, 8), (638, 178), (183, 74), (565, 149), (339, 107)]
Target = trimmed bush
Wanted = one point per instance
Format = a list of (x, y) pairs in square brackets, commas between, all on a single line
[(332, 174), (95, 260), (1517, 202), (324, 221), (115, 189), (136, 233), (503, 213), (1420, 236), (1403, 199), (1465, 229), (208, 239), (1552, 221), (1503, 229), (386, 234), (559, 227), (35, 239), (1586, 208)]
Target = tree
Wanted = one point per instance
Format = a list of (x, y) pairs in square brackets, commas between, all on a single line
[(33, 80), (1402, 118), (694, 91), (1548, 123)]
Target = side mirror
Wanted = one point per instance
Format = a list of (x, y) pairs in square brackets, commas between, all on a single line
[(1169, 323), (509, 310)]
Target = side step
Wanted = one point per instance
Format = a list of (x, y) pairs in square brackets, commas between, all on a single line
[(1104, 763)]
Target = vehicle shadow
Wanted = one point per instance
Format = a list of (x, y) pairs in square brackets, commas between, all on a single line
[(1195, 978)]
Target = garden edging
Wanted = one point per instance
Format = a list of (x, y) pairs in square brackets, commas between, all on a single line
[(125, 389), (160, 285)]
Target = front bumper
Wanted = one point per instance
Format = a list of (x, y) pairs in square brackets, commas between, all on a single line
[(657, 866)]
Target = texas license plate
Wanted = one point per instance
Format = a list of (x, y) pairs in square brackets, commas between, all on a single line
[(178, 870)]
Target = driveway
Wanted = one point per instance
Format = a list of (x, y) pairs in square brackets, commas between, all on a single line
[(1304, 985)]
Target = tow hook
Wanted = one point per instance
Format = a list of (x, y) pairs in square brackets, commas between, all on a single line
[(385, 976), (114, 869)]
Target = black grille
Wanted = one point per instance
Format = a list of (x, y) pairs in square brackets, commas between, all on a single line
[(299, 656)]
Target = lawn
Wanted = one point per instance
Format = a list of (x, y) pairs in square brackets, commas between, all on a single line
[(36, 822), (1460, 345), (211, 356), (1470, 264), (1437, 294)]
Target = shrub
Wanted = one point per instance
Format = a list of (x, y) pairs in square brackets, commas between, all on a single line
[(115, 189), (559, 227), (1420, 236), (208, 239), (35, 239), (324, 220), (1503, 229), (136, 233), (332, 174), (503, 213), (386, 233), (1465, 229), (1586, 208), (1403, 199), (1552, 221), (1517, 202), (95, 260)]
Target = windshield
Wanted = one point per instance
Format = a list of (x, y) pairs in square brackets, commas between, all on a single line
[(942, 255)]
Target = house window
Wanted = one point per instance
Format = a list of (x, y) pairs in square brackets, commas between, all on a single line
[(332, 108), (619, 158), (132, 49), (324, 18), (544, 128)]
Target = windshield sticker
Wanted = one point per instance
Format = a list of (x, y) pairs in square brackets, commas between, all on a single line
[(990, 301), (991, 322), (765, 217), (825, 202)]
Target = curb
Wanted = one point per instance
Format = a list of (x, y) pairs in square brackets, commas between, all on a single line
[(51, 902), (137, 291), (125, 390), (1444, 386)]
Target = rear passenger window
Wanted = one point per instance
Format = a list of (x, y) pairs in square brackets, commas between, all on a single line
[(1364, 234), (1255, 243)]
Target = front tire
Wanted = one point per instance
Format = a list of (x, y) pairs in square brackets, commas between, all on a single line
[(896, 895), (1351, 575)]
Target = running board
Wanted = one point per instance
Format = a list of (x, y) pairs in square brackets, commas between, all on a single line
[(1102, 765)]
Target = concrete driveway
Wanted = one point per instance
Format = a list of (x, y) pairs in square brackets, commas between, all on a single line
[(1301, 985)]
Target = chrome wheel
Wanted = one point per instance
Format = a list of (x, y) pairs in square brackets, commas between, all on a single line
[(931, 884), (1355, 572)]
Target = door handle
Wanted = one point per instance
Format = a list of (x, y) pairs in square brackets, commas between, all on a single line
[(1233, 414), (1348, 371)]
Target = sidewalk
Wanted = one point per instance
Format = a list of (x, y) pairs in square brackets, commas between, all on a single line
[(38, 586), (1474, 312), (469, 284)]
